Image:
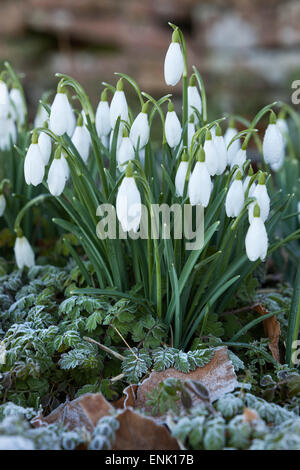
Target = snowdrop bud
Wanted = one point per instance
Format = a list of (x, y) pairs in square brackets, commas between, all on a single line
[(45, 144), (102, 119), (41, 117), (34, 166), (17, 108), (210, 154), (172, 127), (4, 100), (140, 130), (191, 130), (200, 186), (235, 146), (2, 204), (220, 147), (174, 64), (194, 98), (181, 174), (118, 105), (61, 115), (262, 199), (273, 143), (235, 197), (23, 252), (125, 151), (256, 241), (81, 139), (57, 176), (128, 204), (239, 158)]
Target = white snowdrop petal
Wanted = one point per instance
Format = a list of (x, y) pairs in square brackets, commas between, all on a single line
[(118, 107), (239, 159), (4, 100), (273, 145), (102, 119), (262, 199), (211, 157), (172, 129), (17, 108), (34, 166), (234, 199), (256, 240), (45, 144), (60, 114), (81, 141), (221, 151), (199, 188), (173, 67), (194, 101), (125, 153), (234, 147), (128, 205), (23, 253), (180, 178), (140, 131), (2, 204), (57, 177)]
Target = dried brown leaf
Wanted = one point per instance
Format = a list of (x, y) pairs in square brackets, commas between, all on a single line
[(128, 398), (272, 330)]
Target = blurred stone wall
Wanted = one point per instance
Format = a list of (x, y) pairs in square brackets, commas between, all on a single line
[(247, 50)]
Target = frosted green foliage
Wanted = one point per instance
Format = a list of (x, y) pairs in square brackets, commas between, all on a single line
[(215, 434), (136, 364), (230, 405), (104, 434), (270, 412), (239, 433), (284, 437), (236, 361), (191, 429), (163, 358)]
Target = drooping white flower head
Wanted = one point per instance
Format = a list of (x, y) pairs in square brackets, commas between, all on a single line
[(283, 127), (4, 100), (262, 199), (273, 143), (235, 197), (194, 98), (34, 166), (81, 139), (172, 127), (128, 204), (211, 156), (199, 189), (118, 105), (119, 137), (61, 115), (23, 252), (140, 130), (17, 108), (181, 175), (235, 146), (174, 64), (45, 144), (58, 173), (102, 118), (2, 204), (256, 241), (220, 147), (41, 117), (71, 121), (125, 152)]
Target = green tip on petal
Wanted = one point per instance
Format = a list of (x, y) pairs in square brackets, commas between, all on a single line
[(176, 36), (192, 81), (60, 87), (272, 118), (184, 157), (46, 125), (282, 114), (170, 106), (19, 232), (57, 153), (80, 120), (218, 130), (256, 211), (244, 146), (104, 95), (129, 170), (145, 107), (208, 135), (239, 176), (125, 132), (120, 86), (201, 155), (262, 178), (250, 171), (34, 138)]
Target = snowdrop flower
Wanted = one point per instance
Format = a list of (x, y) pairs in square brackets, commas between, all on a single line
[(181, 175), (105, 141), (58, 173), (102, 119), (211, 156), (142, 155), (235, 197), (81, 139), (61, 115), (239, 158), (194, 98), (256, 239), (23, 252), (140, 130), (200, 186), (119, 138), (4, 100), (172, 127), (273, 143), (262, 199), (174, 65), (125, 151), (220, 147), (71, 121), (282, 125), (118, 105), (128, 204), (191, 129), (45, 144), (41, 117), (2, 204), (235, 146), (17, 108), (247, 181), (34, 166)]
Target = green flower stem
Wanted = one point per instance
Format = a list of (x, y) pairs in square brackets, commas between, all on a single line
[(37, 200)]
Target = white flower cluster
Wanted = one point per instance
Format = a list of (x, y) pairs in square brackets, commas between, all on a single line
[(12, 114)]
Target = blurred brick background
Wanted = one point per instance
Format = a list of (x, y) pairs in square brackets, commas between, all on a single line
[(247, 50)]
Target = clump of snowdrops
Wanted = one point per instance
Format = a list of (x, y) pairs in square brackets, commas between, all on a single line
[(86, 159)]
